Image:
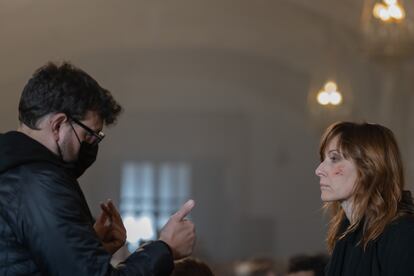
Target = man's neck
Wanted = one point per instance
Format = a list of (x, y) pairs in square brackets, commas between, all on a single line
[(39, 136)]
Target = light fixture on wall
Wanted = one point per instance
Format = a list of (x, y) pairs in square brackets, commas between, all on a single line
[(389, 10), (330, 89), (328, 101), (329, 95), (388, 40), (388, 28)]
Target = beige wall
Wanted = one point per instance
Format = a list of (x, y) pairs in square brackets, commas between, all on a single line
[(221, 84)]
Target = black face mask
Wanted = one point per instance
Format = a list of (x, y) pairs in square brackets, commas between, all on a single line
[(86, 157)]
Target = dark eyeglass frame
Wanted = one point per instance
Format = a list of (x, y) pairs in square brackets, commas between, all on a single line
[(98, 135)]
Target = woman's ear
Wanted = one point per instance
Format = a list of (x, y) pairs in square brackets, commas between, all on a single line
[(56, 121)]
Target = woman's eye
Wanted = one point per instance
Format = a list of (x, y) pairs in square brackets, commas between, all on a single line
[(334, 158)]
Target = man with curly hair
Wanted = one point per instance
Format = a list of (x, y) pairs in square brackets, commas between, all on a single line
[(46, 227)]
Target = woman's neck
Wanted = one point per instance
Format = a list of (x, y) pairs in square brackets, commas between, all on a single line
[(347, 207)]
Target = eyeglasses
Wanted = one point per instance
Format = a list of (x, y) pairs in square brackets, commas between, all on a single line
[(97, 135)]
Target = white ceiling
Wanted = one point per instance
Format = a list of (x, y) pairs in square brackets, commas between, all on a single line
[(34, 31)]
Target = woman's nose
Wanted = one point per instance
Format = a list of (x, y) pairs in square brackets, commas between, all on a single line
[(319, 170)]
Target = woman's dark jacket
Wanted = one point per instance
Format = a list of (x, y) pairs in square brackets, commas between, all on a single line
[(391, 254), (46, 227)]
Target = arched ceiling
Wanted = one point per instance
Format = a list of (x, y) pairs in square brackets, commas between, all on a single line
[(294, 32)]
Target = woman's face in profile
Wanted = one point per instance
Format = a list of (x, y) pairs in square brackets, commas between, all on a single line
[(337, 175)]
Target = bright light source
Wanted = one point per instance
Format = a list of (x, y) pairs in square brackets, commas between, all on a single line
[(396, 12), (329, 95), (378, 8), (336, 98), (330, 86), (323, 98), (138, 228), (389, 12), (390, 2), (384, 14)]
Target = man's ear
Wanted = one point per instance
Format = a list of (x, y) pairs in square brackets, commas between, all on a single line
[(56, 121)]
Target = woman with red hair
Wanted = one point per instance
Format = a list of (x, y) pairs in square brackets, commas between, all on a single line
[(371, 231)]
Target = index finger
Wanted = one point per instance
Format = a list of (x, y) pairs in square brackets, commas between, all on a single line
[(106, 209), (184, 210), (114, 211), (102, 217)]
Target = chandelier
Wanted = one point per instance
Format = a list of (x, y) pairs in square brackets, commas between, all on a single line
[(388, 29), (329, 95)]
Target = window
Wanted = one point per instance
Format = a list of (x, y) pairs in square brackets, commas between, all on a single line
[(150, 193)]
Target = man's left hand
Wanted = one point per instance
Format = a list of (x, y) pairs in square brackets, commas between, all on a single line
[(110, 228)]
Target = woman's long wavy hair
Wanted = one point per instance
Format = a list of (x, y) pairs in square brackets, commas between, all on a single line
[(380, 180)]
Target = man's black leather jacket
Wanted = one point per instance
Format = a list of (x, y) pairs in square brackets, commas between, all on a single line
[(46, 227)]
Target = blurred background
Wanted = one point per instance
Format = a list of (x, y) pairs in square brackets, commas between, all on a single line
[(225, 102)]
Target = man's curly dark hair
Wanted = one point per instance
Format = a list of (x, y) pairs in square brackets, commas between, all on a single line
[(65, 88)]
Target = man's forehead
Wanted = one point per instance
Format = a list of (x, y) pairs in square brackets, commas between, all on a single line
[(93, 120)]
